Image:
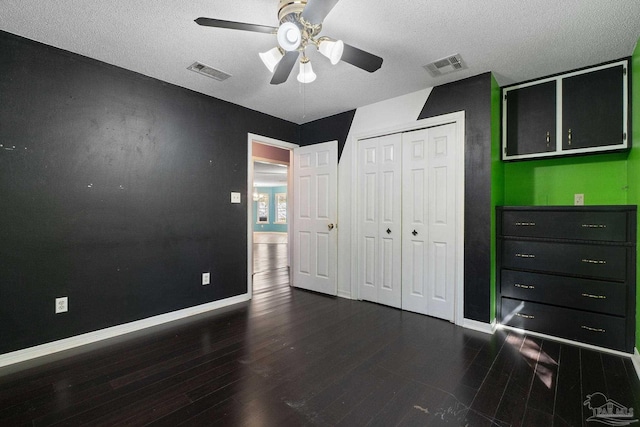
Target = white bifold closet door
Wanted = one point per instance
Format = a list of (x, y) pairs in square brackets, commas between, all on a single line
[(407, 220), (429, 214), (379, 214)]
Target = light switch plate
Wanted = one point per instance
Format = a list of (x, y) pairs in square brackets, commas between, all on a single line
[(62, 305), (235, 197)]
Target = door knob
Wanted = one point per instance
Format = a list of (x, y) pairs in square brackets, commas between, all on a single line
[(414, 232), (388, 231), (330, 226)]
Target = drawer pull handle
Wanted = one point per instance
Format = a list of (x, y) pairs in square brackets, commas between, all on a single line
[(519, 285), (593, 329), (548, 138), (526, 316), (525, 224), (594, 296), (594, 225), (594, 261), (526, 256)]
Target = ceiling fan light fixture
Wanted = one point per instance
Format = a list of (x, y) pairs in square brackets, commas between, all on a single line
[(306, 74), (289, 36), (271, 58), (332, 49)]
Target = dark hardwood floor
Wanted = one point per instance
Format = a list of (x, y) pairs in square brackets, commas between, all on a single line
[(291, 357)]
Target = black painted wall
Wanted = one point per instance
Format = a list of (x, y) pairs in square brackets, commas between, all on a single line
[(330, 128), (117, 194), (473, 95)]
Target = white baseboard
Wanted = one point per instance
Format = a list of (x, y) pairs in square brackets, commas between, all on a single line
[(114, 331), (487, 328), (635, 358)]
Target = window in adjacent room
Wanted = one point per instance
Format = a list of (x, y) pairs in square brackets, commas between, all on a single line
[(263, 208), (281, 208)]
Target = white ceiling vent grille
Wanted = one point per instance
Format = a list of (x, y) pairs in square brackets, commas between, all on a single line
[(208, 71), (445, 65)]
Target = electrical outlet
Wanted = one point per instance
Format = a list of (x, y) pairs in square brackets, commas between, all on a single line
[(578, 199), (206, 278), (62, 305), (235, 197)]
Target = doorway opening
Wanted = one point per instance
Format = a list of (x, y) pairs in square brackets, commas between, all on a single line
[(269, 214)]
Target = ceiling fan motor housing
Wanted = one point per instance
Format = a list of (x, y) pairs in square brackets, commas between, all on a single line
[(289, 7)]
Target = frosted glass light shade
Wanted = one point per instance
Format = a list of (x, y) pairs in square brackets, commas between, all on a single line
[(306, 74), (332, 50), (289, 36), (271, 58)]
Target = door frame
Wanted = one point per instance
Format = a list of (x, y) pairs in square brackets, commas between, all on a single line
[(251, 138), (457, 118)]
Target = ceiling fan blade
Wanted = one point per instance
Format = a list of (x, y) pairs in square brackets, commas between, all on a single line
[(284, 67), (316, 10), (361, 59), (219, 23)]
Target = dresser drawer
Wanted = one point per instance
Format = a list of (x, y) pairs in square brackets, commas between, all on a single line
[(592, 328), (604, 262), (584, 294), (602, 226)]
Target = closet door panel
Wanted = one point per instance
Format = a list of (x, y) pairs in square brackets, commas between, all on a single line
[(441, 220), (429, 220), (379, 214), (415, 250)]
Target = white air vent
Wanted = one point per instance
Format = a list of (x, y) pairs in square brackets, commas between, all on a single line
[(445, 65), (208, 71)]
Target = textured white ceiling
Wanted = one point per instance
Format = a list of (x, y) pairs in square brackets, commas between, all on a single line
[(517, 40)]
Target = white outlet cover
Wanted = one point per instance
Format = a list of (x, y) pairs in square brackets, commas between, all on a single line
[(206, 278), (235, 197), (62, 305), (578, 199)]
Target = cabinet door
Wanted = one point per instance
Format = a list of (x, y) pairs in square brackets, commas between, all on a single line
[(531, 119), (592, 109)]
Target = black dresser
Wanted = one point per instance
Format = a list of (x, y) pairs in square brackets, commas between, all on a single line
[(569, 271)]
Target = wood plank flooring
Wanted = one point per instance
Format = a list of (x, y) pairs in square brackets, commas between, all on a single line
[(291, 357)]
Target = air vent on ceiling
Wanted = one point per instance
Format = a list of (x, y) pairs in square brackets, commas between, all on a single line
[(208, 71), (445, 65)]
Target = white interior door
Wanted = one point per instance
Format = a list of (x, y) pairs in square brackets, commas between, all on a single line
[(379, 212), (315, 240), (429, 214)]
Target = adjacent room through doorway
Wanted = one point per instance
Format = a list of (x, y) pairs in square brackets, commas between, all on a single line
[(270, 222)]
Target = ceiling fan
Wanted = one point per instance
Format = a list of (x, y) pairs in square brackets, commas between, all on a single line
[(300, 25)]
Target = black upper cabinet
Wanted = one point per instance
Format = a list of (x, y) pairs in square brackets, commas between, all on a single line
[(592, 106), (581, 112), (531, 119)]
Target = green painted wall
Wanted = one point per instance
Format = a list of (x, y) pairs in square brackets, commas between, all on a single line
[(497, 183), (601, 178), (633, 161)]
